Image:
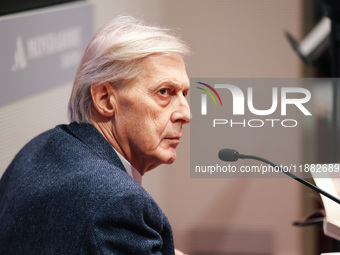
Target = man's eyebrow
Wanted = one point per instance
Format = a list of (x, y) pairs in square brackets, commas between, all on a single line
[(174, 83)]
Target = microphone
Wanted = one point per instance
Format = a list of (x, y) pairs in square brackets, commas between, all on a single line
[(228, 155), (231, 155)]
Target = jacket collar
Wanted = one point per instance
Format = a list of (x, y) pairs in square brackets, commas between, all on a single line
[(89, 135)]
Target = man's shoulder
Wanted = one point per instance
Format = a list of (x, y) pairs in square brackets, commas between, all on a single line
[(71, 144), (58, 161), (58, 169), (84, 160)]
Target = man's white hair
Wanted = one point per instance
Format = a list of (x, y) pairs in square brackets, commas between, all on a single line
[(114, 55)]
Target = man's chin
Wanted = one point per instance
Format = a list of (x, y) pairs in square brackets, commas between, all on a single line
[(169, 158), (163, 159)]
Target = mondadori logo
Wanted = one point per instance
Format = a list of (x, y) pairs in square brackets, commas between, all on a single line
[(242, 101)]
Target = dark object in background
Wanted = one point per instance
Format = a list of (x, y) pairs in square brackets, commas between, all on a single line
[(13, 6)]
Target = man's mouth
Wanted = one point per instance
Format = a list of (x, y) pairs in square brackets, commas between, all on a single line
[(174, 138)]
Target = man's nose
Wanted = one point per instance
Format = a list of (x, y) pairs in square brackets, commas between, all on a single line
[(181, 112)]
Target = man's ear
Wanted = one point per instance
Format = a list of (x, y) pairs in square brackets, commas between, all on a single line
[(103, 98)]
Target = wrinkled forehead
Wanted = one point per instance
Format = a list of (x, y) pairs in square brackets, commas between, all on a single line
[(160, 69), (165, 67)]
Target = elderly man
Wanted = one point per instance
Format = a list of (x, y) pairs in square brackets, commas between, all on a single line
[(76, 189)]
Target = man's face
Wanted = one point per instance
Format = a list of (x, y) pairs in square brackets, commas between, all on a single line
[(150, 112)]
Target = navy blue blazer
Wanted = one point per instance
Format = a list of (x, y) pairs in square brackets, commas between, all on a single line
[(66, 192)]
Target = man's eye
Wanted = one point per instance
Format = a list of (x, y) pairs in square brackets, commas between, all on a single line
[(164, 92)]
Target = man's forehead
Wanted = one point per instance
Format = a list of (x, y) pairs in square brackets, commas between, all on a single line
[(164, 61), (167, 68)]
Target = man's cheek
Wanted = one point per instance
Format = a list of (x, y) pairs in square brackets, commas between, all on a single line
[(157, 124)]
